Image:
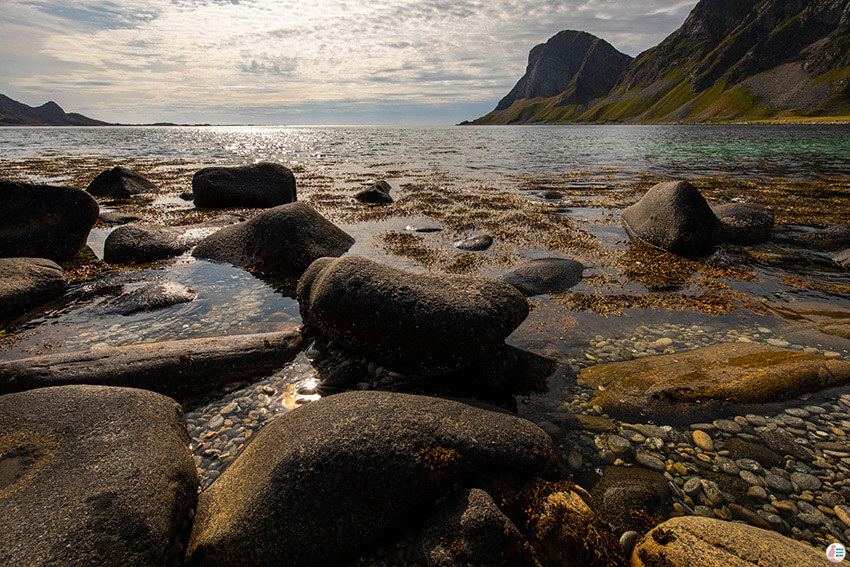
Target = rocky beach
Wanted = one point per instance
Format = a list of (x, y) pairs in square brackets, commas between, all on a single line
[(327, 361)]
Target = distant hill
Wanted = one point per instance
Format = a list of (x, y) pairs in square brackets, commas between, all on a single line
[(14, 113), (730, 60)]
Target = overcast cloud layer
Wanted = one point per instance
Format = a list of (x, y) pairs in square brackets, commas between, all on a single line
[(290, 62)]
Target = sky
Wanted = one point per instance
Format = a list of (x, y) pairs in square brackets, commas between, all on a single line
[(296, 62)]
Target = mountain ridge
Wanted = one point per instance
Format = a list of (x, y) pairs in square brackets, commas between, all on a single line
[(14, 113)]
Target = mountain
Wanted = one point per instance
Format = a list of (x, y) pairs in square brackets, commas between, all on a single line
[(14, 113), (730, 60)]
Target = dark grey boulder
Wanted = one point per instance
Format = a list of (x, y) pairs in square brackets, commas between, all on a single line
[(469, 529), (140, 243), (843, 259), (425, 228), (26, 282), (352, 470), (551, 195), (120, 183), (672, 216), (830, 238), (417, 323), (475, 243), (378, 193), (186, 196), (44, 221), (546, 275), (110, 217), (259, 185), (282, 241), (743, 223), (92, 475), (152, 296)]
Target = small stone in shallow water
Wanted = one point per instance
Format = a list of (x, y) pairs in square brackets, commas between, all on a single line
[(806, 481), (748, 465), (843, 514), (778, 484), (703, 440), (648, 461), (727, 426), (692, 486), (618, 444)]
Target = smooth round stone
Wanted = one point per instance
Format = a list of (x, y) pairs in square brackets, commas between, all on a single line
[(751, 478), (662, 342), (650, 462), (619, 445), (703, 427), (628, 541), (654, 444), (806, 481), (703, 511), (730, 468), (756, 420), (786, 507), (798, 412), (216, 422), (777, 483), (692, 486), (843, 514), (680, 469), (757, 492), (748, 465), (727, 426), (712, 492), (778, 343), (703, 440), (790, 420)]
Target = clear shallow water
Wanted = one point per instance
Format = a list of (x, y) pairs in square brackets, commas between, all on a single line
[(800, 151)]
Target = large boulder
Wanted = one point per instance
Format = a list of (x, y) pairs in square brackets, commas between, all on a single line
[(257, 185), (120, 183), (25, 282), (743, 223), (545, 275), (352, 470), (699, 380), (416, 323), (672, 216), (43, 221), (180, 369), (694, 541), (378, 193), (282, 241), (141, 243), (92, 476)]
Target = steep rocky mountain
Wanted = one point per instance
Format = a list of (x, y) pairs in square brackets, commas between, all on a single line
[(730, 60), (14, 113)]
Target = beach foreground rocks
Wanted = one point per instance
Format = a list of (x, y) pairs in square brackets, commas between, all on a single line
[(378, 193), (546, 275), (44, 221), (416, 323), (351, 470), (738, 373), (140, 243), (706, 542), (673, 216), (180, 369), (282, 241), (258, 185), (743, 223), (92, 476), (25, 282), (120, 183)]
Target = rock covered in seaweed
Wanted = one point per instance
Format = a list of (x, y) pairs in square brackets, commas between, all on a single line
[(120, 182), (260, 185), (25, 282), (416, 323)]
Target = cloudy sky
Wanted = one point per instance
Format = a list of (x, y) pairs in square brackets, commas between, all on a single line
[(296, 62)]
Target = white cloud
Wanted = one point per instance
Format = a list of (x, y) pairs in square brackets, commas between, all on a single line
[(141, 60)]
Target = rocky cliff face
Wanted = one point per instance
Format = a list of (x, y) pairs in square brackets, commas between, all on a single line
[(14, 113)]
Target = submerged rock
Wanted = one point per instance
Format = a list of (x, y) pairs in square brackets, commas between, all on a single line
[(43, 221), (153, 296), (120, 182), (258, 185), (92, 476), (743, 223), (377, 193), (551, 195), (110, 217), (843, 259), (705, 542), (352, 470), (141, 243), (26, 282), (475, 243), (738, 373), (415, 323), (830, 238), (546, 275), (672, 216), (282, 241)]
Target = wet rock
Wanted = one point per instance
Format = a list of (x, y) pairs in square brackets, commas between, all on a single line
[(413, 323), (186, 196), (26, 282), (104, 473), (703, 441), (152, 296), (257, 185), (843, 259), (141, 243), (113, 217), (378, 193), (550, 195), (43, 221), (547, 275), (784, 444), (672, 216), (475, 243), (627, 497), (652, 463), (831, 238), (386, 456), (120, 182), (424, 228), (282, 241), (470, 529), (704, 542), (180, 369), (742, 373), (740, 449), (743, 223), (806, 481)]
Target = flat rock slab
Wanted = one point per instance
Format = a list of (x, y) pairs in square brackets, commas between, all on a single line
[(25, 282), (704, 542), (351, 471), (91, 475), (180, 369), (737, 373)]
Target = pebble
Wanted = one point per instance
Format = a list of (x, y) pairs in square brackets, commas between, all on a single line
[(650, 462), (751, 478), (748, 465), (703, 440), (618, 444), (727, 426), (692, 486), (779, 484), (757, 492), (843, 514), (806, 481), (628, 541)]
